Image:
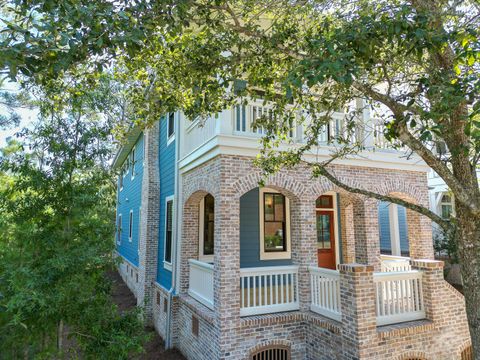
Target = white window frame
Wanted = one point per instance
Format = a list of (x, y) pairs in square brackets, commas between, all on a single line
[(120, 180), (132, 164), (130, 226), (280, 254), (168, 265), (171, 138), (119, 229), (126, 166), (201, 237)]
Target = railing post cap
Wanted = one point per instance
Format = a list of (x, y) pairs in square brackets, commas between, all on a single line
[(427, 263), (355, 268)]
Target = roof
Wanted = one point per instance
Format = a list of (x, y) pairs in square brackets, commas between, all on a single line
[(125, 147)]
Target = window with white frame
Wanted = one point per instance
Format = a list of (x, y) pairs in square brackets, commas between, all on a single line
[(120, 182), (119, 229), (130, 226), (206, 229), (274, 225), (132, 163), (168, 232), (170, 127), (446, 206)]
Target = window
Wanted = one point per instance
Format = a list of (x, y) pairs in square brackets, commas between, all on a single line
[(207, 228), (170, 126), (126, 167), (119, 229), (120, 182), (446, 206), (168, 232), (130, 226), (274, 225), (133, 163)]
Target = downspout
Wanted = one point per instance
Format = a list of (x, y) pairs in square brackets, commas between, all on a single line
[(176, 236)]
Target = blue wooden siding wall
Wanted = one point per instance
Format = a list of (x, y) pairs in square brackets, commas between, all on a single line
[(167, 188), (250, 233), (130, 198), (384, 227)]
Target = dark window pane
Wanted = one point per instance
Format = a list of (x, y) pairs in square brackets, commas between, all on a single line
[(209, 217), (168, 232), (268, 207), (130, 226), (274, 237), (325, 202), (171, 124), (324, 240), (279, 207)]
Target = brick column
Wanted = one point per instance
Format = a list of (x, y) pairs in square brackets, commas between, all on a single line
[(357, 299), (367, 236), (148, 248), (433, 285), (419, 235), (304, 245)]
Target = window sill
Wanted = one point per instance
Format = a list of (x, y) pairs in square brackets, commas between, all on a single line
[(167, 266), (170, 139), (287, 255)]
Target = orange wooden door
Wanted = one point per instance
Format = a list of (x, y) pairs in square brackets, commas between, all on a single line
[(326, 239)]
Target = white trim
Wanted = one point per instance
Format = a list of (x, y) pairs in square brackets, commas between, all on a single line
[(132, 161), (168, 265), (130, 225), (335, 223), (120, 180), (280, 254), (201, 227), (119, 229), (171, 138)]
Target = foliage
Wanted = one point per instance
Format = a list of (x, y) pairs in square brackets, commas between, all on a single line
[(56, 211)]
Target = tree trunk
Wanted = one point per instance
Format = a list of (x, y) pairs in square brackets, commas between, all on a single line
[(469, 255), (60, 335)]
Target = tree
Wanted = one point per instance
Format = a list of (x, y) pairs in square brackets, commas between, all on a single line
[(56, 241), (417, 61)]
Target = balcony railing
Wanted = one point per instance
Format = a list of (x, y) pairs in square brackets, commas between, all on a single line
[(325, 292), (394, 263), (399, 297), (201, 282), (266, 290)]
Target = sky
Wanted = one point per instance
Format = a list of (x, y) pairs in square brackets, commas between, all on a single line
[(28, 116)]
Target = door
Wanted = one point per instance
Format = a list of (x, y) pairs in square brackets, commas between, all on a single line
[(326, 239)]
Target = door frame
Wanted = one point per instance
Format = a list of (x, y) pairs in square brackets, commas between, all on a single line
[(334, 209)]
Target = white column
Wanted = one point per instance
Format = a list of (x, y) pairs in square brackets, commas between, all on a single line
[(394, 229)]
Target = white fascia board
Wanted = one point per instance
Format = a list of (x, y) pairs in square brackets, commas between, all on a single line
[(124, 148), (250, 147)]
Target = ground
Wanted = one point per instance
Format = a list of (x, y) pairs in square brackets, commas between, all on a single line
[(154, 349)]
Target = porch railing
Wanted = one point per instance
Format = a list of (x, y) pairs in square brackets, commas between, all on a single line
[(266, 290), (391, 263), (399, 297), (201, 282), (325, 292)]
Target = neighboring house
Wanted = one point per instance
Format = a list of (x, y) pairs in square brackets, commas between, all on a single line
[(297, 269)]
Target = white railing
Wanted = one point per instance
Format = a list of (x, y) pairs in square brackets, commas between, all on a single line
[(399, 297), (266, 290), (395, 263), (201, 282), (325, 291)]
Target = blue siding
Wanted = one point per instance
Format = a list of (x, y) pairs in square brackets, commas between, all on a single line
[(250, 233), (167, 188), (384, 227), (130, 198)]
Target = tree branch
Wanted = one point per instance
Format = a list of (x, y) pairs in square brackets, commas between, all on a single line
[(420, 209)]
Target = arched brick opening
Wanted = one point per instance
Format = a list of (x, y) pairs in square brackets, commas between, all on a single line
[(412, 355), (419, 229), (466, 352), (275, 350), (190, 235)]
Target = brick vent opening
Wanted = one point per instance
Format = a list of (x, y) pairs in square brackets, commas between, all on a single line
[(158, 298), (467, 353), (272, 352), (165, 305), (195, 325)]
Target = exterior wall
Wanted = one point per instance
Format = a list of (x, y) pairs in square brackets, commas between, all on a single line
[(250, 233), (160, 308), (228, 178), (130, 275), (166, 165), (129, 199)]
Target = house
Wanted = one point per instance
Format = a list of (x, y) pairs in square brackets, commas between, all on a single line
[(296, 269)]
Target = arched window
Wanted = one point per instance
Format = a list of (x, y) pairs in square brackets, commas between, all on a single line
[(272, 352), (467, 353), (207, 228), (446, 206)]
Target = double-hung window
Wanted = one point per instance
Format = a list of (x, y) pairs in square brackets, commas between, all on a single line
[(207, 228), (446, 206), (120, 182), (119, 229), (170, 127), (132, 164), (274, 225), (168, 232), (130, 226)]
